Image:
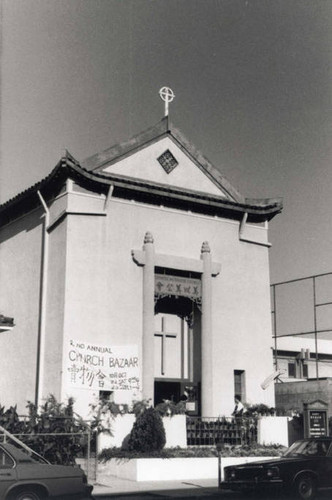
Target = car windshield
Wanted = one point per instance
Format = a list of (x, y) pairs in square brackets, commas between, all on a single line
[(309, 448)]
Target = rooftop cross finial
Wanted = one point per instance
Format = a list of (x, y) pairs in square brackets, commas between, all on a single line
[(167, 95)]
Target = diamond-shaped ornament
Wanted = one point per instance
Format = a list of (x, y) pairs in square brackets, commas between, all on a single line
[(167, 161)]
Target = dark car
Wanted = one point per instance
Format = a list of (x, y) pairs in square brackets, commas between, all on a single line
[(304, 468), (23, 477)]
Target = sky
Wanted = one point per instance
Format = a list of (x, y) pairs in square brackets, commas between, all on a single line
[(252, 80)]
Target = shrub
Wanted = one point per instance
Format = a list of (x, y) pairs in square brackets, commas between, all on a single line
[(169, 408), (10, 421), (259, 409), (148, 433), (69, 432), (197, 451), (53, 432)]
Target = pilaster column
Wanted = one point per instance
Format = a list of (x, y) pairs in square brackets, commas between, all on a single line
[(206, 393), (148, 319)]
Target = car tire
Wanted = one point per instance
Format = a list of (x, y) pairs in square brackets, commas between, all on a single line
[(306, 487), (27, 494)]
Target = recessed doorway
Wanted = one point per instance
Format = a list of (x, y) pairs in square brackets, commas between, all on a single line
[(164, 390)]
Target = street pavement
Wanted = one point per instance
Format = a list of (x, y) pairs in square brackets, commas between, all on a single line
[(156, 490)]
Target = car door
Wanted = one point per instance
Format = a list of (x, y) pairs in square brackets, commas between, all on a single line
[(7, 472), (325, 469)]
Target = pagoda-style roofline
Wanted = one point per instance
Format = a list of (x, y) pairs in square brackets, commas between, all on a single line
[(91, 177)]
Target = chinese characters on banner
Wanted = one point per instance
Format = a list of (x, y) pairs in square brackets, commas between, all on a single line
[(109, 368), (178, 286)]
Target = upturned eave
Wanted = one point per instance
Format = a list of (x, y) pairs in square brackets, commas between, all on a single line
[(139, 190)]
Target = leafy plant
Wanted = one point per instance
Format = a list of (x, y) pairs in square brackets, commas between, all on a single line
[(148, 433), (104, 411), (191, 452), (140, 406), (54, 431), (259, 409), (10, 421), (169, 408)]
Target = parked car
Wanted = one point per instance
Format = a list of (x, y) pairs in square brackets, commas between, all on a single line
[(304, 468), (24, 476)]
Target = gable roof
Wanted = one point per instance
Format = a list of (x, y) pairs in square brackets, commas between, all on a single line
[(90, 174), (164, 128)]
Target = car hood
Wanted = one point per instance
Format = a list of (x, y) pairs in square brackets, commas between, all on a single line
[(277, 461)]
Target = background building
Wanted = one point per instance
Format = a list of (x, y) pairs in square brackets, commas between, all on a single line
[(139, 273), (297, 358)]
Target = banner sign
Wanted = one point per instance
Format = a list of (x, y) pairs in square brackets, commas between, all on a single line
[(178, 286), (100, 367)]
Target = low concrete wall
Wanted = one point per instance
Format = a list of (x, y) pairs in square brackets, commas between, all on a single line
[(121, 425), (176, 431), (167, 469), (273, 430)]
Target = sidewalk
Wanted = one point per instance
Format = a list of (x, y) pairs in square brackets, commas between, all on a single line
[(192, 488)]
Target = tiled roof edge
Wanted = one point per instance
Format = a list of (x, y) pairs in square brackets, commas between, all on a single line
[(70, 163)]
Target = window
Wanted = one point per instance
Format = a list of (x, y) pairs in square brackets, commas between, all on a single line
[(167, 161), (6, 462), (239, 385), (106, 396), (291, 370), (305, 370)]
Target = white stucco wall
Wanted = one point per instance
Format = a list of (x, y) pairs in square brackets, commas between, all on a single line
[(20, 267), (55, 310), (120, 427), (104, 289), (95, 293), (144, 165), (273, 430)]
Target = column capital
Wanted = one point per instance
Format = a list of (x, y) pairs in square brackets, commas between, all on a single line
[(148, 238), (205, 247)]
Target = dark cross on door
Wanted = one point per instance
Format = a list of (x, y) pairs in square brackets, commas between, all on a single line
[(164, 334)]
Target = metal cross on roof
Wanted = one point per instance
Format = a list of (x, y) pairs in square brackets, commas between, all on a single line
[(167, 95)]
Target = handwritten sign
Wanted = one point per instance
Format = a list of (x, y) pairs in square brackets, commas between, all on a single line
[(100, 367)]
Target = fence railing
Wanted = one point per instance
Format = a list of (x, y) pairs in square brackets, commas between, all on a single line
[(83, 442), (206, 431)]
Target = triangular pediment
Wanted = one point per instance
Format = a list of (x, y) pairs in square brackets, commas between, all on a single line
[(163, 156), (163, 162), (316, 404)]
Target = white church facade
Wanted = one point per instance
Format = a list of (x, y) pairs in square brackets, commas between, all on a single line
[(138, 273)]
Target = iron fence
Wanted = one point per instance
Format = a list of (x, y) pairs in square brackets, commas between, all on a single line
[(208, 431)]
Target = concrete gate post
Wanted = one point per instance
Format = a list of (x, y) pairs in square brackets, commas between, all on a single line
[(148, 318), (206, 393)]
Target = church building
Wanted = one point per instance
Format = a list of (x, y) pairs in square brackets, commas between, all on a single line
[(139, 273)]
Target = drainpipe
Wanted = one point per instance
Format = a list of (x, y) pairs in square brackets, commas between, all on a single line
[(242, 224), (42, 305)]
